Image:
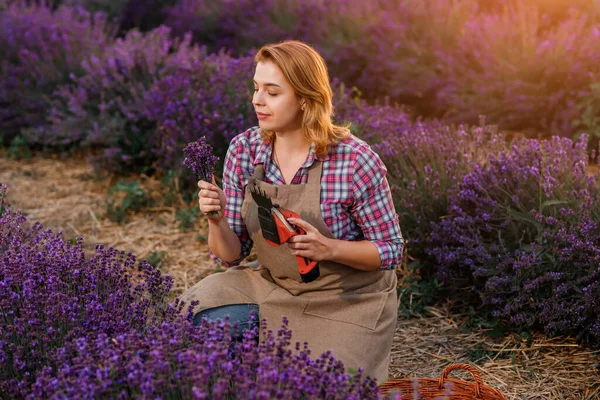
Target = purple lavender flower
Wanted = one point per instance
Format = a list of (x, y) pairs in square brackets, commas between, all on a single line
[(199, 158)]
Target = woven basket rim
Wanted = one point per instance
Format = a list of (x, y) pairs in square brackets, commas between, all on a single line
[(436, 387)]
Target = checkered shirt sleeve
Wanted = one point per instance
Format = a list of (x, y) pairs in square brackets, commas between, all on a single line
[(373, 209), (235, 168)]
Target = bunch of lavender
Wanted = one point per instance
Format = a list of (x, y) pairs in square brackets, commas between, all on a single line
[(179, 360), (523, 234), (52, 294), (199, 159), (39, 48)]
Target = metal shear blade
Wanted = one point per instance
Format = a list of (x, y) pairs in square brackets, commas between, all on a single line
[(265, 216), (260, 197)]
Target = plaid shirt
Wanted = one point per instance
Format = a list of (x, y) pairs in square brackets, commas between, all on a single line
[(356, 203)]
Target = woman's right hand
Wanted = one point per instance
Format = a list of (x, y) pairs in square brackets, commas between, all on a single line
[(211, 200)]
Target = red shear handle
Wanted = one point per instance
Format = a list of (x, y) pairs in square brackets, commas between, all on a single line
[(305, 265), (285, 229)]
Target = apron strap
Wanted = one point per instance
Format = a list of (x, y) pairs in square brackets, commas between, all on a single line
[(259, 172), (314, 173)]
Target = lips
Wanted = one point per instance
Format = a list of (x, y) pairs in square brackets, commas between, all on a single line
[(261, 115)]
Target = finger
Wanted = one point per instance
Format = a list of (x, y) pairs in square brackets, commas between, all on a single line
[(298, 246), (203, 184), (302, 224), (209, 194), (214, 186), (210, 201), (303, 253), (298, 239), (208, 208)]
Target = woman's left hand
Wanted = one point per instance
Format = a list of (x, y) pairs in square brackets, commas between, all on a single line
[(313, 245)]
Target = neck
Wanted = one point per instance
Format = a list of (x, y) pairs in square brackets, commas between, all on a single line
[(291, 142)]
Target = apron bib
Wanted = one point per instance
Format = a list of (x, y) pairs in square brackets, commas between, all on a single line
[(350, 312)]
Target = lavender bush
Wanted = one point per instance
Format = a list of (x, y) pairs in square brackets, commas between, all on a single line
[(51, 293), (523, 234), (182, 361), (211, 98), (235, 25), (39, 49), (516, 73), (113, 9), (424, 159), (509, 61), (96, 326), (104, 108), (401, 63)]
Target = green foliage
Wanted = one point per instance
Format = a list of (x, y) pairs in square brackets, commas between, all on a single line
[(18, 148), (480, 318), (124, 198), (589, 122), (2, 199), (480, 352), (172, 192), (187, 217), (156, 259), (418, 293), (168, 185)]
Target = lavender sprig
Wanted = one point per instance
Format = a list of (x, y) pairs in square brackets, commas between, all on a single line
[(199, 158)]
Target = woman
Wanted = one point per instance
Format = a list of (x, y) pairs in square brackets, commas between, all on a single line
[(337, 185)]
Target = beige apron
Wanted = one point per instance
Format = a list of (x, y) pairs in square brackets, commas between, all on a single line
[(353, 313)]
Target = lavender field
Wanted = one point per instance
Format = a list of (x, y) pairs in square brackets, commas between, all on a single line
[(485, 112)]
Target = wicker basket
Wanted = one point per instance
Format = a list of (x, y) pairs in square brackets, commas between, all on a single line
[(443, 387)]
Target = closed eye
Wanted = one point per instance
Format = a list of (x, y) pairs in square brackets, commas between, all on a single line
[(270, 94)]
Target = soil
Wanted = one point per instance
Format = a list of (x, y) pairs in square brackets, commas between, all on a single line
[(65, 194)]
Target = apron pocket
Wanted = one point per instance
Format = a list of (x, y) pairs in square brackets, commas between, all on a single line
[(359, 309)]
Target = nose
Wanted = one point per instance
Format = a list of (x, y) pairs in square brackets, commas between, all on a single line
[(258, 98)]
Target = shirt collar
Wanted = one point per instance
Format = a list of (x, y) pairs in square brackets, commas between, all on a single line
[(265, 152)]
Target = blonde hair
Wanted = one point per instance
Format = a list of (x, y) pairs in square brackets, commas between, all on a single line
[(306, 71)]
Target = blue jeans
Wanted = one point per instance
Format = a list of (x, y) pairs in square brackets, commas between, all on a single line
[(246, 316)]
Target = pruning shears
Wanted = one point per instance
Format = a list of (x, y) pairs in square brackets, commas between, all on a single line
[(277, 230)]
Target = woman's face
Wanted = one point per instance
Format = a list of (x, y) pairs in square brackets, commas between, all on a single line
[(276, 105)]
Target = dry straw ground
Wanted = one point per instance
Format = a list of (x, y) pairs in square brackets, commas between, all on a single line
[(64, 194)]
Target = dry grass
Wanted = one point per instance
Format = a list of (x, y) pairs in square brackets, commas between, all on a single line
[(64, 194), (556, 368)]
